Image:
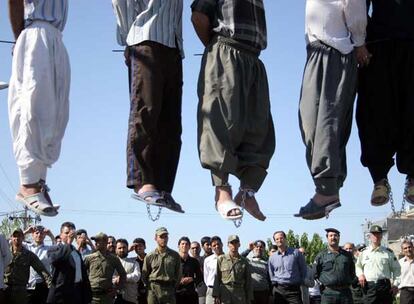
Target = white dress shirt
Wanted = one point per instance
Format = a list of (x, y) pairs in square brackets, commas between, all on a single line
[(41, 252), (407, 273), (340, 24), (210, 269)]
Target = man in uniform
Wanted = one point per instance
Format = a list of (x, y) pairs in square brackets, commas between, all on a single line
[(406, 281), (376, 267), (335, 269), (233, 282), (101, 266), (17, 272), (235, 127), (162, 271)]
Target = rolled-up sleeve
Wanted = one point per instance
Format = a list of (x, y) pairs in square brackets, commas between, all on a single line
[(206, 7), (355, 12)]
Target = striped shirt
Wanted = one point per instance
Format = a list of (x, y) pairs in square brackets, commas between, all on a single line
[(155, 20), (52, 11), (241, 20)]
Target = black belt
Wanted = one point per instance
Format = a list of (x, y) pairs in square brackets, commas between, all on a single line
[(337, 287), (210, 286), (287, 286), (411, 289)]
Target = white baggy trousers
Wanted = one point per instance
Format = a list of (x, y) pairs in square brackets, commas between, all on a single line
[(38, 99)]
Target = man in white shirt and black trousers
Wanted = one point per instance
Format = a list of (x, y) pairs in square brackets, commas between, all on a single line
[(406, 280), (335, 37)]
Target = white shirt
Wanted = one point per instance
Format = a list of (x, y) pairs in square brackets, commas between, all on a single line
[(41, 252), (130, 290), (340, 24), (5, 257), (210, 269), (407, 273)]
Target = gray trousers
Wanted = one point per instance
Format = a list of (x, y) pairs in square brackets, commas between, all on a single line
[(235, 127), (325, 114), (209, 296)]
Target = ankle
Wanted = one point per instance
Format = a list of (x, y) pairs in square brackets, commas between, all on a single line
[(145, 188), (223, 193)]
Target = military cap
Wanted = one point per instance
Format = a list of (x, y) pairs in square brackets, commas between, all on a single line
[(161, 230), (100, 236), (17, 230), (332, 230), (360, 247), (232, 238), (375, 228)]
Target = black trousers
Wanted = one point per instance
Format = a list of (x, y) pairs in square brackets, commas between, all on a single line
[(39, 294), (378, 293), (315, 300), (385, 108), (154, 129), (287, 294), (120, 300), (261, 297), (407, 295), (186, 298)]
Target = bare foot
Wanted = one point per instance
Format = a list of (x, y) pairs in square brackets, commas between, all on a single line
[(322, 200), (224, 194), (31, 189), (147, 188), (251, 205)]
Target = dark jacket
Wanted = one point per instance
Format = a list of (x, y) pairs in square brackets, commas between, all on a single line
[(62, 290)]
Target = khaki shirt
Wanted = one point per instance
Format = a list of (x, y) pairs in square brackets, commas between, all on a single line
[(162, 267), (101, 268), (376, 264), (234, 273), (18, 271)]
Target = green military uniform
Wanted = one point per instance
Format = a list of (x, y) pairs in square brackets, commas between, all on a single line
[(17, 274), (161, 273), (233, 284), (378, 265), (101, 268), (336, 272)]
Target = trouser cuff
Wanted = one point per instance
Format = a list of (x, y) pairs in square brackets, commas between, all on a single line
[(378, 173), (326, 186), (252, 177), (219, 179), (32, 173)]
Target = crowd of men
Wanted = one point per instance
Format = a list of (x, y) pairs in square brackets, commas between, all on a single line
[(76, 270)]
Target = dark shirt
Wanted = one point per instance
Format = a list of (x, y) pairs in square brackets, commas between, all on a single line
[(190, 268), (335, 268), (391, 19), (142, 290), (241, 20), (287, 268)]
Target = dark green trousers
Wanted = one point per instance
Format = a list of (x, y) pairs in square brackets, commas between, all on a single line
[(343, 296)]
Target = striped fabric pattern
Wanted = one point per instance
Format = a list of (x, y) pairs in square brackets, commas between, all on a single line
[(52, 11), (155, 20)]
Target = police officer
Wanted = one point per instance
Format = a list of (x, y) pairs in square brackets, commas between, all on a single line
[(375, 267), (161, 271), (17, 272), (335, 269), (233, 284), (101, 266)]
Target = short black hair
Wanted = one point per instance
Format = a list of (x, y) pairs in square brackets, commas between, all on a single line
[(260, 242), (80, 231), (123, 241), (273, 247), (69, 225), (205, 239), (139, 241), (280, 231), (185, 239), (216, 239), (112, 237)]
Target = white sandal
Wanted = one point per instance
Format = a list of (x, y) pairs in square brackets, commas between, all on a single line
[(225, 207), (38, 203)]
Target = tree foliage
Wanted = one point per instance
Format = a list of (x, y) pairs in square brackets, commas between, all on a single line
[(9, 224)]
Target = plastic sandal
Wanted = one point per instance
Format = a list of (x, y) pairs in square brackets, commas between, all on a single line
[(311, 211), (38, 204), (171, 203), (225, 207), (381, 194), (150, 197)]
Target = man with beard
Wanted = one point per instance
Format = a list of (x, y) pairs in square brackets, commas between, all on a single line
[(129, 293), (335, 269), (162, 271)]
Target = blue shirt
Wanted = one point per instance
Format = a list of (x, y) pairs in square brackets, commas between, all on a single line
[(52, 11), (287, 268)]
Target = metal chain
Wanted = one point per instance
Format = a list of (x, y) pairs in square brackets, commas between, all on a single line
[(157, 217), (237, 223), (394, 213)]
